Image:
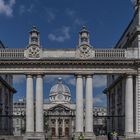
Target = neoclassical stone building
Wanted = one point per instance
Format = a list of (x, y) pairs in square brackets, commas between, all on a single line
[(121, 63), (6, 102), (123, 91), (60, 112)]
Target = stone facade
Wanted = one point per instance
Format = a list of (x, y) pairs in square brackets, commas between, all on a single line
[(6, 102), (123, 90), (121, 64)]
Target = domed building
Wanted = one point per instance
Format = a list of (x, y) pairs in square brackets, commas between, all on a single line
[(59, 112), (60, 93)]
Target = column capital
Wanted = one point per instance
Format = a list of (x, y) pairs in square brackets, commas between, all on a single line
[(40, 76), (78, 75), (129, 75), (89, 76), (29, 76)]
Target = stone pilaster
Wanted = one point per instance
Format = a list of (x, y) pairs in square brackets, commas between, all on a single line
[(129, 106)]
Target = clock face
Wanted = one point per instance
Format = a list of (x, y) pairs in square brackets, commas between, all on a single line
[(85, 50), (34, 51), (60, 96)]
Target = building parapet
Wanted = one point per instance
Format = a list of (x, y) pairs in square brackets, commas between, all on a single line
[(9, 54)]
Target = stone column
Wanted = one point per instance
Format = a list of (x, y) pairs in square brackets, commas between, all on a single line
[(137, 99), (108, 111), (89, 104), (56, 127), (29, 105), (39, 104), (129, 105), (79, 104), (63, 127)]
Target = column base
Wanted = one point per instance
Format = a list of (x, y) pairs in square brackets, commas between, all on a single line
[(87, 135), (129, 135), (77, 134), (90, 136), (34, 136)]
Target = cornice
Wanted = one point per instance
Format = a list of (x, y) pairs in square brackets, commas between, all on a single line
[(71, 62)]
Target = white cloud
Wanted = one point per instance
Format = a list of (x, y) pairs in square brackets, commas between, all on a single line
[(23, 9), (79, 21), (70, 12), (71, 81), (99, 81), (73, 15), (99, 99), (7, 8), (60, 35), (18, 79), (50, 14), (30, 9)]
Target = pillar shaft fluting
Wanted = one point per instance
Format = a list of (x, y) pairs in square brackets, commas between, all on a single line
[(89, 104), (129, 105), (39, 104), (79, 104), (29, 104)]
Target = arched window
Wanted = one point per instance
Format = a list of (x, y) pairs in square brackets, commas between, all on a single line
[(60, 131), (53, 131), (66, 131)]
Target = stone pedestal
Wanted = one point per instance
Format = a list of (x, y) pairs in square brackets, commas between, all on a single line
[(87, 136), (34, 136)]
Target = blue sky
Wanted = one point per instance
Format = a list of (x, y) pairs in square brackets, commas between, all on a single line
[(59, 22)]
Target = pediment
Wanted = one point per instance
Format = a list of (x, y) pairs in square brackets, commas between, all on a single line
[(59, 107)]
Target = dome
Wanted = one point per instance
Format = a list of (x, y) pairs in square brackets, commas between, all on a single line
[(60, 88), (60, 92)]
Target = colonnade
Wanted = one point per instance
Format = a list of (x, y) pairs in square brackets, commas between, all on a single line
[(57, 127), (129, 91), (30, 126), (88, 104), (38, 126)]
